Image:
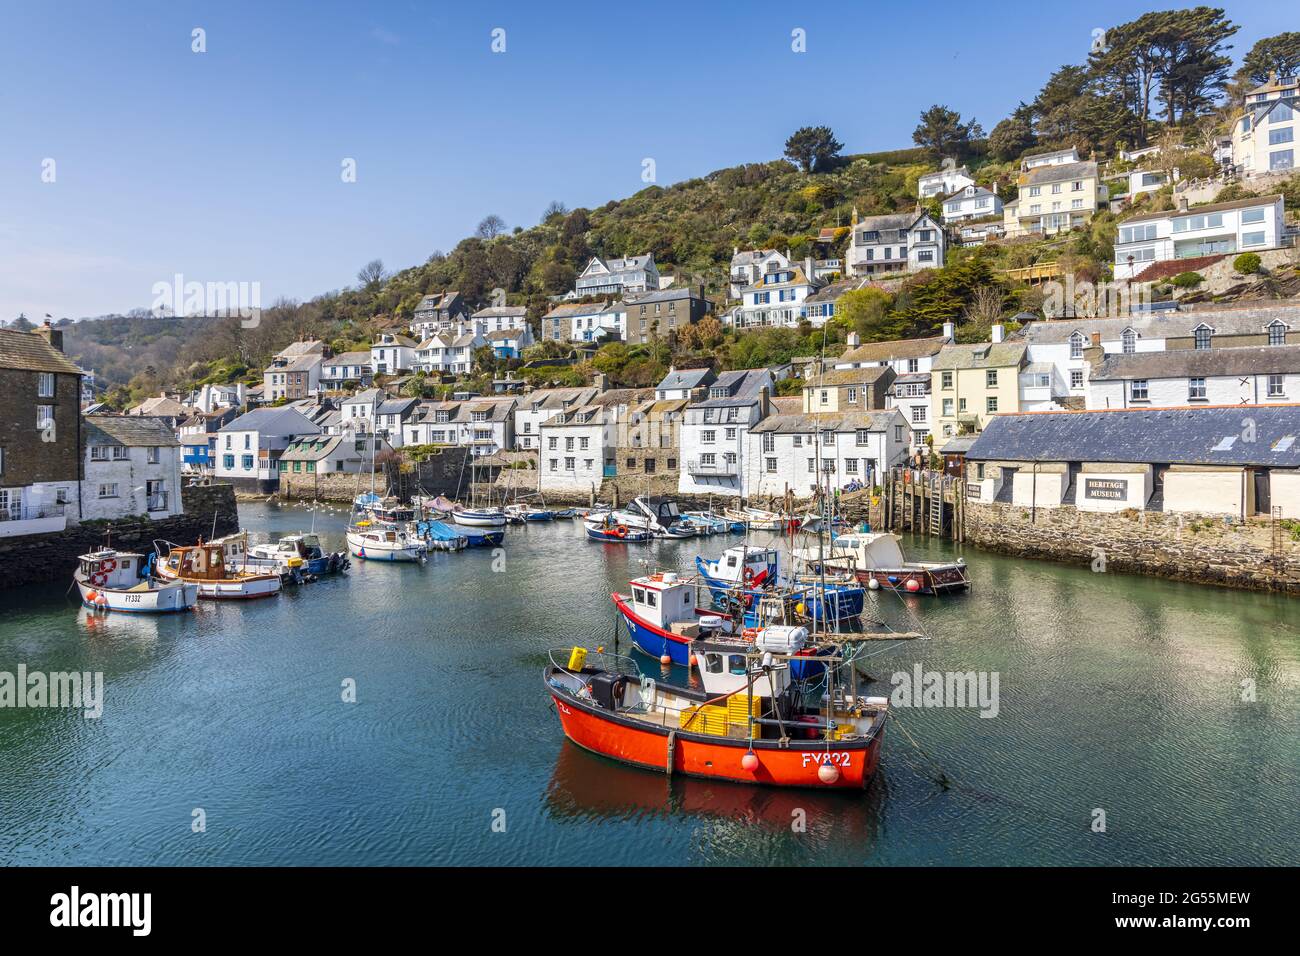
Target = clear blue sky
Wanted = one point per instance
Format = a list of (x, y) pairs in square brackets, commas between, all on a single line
[(225, 166)]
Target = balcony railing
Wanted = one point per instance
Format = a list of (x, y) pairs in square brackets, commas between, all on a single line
[(698, 466)]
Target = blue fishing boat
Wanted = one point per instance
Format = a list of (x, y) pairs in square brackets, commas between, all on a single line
[(662, 621), (748, 571)]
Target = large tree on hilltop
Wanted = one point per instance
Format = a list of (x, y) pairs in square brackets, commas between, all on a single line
[(1279, 54), (813, 148), (942, 132)]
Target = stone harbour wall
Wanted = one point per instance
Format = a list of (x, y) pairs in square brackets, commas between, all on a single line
[(42, 558), (1207, 549)]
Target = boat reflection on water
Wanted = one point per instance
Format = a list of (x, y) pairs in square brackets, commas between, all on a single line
[(586, 787)]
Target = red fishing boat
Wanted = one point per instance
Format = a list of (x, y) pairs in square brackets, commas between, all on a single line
[(748, 722)]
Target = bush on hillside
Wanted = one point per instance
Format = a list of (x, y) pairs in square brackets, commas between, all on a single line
[(1188, 280), (1246, 264)]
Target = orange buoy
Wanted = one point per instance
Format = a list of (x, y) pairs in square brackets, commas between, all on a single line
[(913, 585), (749, 762), (90, 596), (695, 662), (828, 773), (665, 659)]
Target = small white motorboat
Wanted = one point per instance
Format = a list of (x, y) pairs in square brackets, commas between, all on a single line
[(376, 542), (111, 580)]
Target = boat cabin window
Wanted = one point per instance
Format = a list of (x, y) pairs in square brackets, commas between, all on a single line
[(126, 564), (638, 595), (731, 560), (713, 663), (736, 663), (652, 598)]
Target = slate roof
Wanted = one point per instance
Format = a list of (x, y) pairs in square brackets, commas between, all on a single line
[(1210, 435), (397, 340), (1040, 175), (350, 358), (802, 424), (849, 376), (132, 430), (370, 396), (980, 355), (1254, 319), (500, 311), (30, 352), (577, 308), (750, 256), (159, 405), (1198, 210), (316, 448), (686, 378), (395, 406), (832, 292), (273, 421), (743, 387), (1200, 363), (889, 351)]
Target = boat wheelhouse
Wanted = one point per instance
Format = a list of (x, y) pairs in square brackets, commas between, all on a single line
[(110, 580)]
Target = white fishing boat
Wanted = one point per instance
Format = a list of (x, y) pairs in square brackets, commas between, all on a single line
[(756, 519), (205, 565), (376, 542), (298, 554), (111, 580)]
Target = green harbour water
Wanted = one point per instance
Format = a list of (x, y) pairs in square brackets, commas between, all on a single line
[(1117, 693)]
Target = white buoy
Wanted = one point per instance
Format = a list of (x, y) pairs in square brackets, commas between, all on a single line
[(873, 584)]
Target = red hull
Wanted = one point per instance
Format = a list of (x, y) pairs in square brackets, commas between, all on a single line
[(698, 755)]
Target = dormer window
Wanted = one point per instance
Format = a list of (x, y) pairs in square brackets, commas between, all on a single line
[(1076, 345), (1128, 341), (1201, 336), (1277, 333)]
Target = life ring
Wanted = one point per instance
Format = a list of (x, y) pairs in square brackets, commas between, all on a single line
[(620, 531), (99, 579), (108, 564), (749, 575)]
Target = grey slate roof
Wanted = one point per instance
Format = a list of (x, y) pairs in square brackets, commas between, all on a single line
[(686, 378), (500, 311), (1040, 175), (802, 424), (982, 355), (1200, 363), (395, 406), (1255, 319), (134, 430), (742, 385), (273, 421), (1175, 436)]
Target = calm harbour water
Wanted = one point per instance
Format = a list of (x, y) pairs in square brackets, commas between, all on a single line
[(1120, 693)]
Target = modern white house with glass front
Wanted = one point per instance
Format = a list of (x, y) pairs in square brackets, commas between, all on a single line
[(1264, 137), (1226, 228)]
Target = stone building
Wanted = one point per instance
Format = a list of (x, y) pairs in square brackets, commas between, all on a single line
[(40, 432)]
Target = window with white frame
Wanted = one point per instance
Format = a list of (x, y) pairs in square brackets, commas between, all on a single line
[(1128, 342), (1277, 334), (1275, 386), (1076, 345), (1202, 336), (45, 385), (1138, 390), (1196, 389)]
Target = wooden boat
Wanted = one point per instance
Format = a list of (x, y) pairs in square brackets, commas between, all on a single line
[(749, 722), (876, 558), (205, 564), (110, 580), (376, 542), (756, 519)]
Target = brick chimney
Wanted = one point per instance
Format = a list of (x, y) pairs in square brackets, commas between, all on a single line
[(1182, 203), (764, 402), (1094, 353), (51, 335)]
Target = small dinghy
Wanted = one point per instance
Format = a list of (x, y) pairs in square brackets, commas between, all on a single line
[(606, 527), (111, 580)]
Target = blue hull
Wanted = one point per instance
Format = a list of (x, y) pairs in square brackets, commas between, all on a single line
[(489, 539)]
